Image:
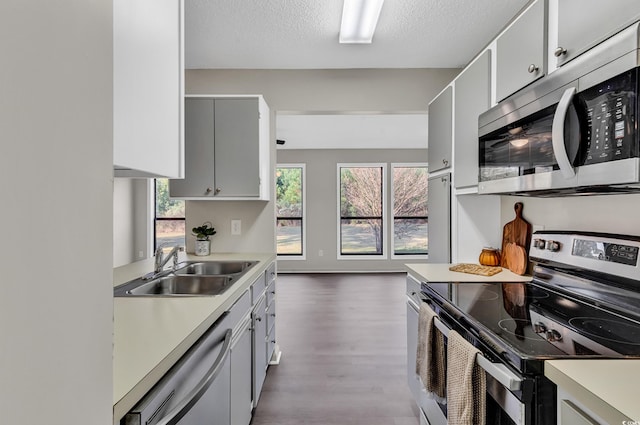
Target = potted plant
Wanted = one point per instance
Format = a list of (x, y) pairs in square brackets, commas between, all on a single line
[(202, 233)]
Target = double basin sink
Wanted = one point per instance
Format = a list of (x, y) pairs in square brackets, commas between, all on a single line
[(191, 278)]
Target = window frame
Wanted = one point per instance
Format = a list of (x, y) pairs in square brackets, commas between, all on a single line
[(384, 228), (155, 218), (392, 235), (303, 227)]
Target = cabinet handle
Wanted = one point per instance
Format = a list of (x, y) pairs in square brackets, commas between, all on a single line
[(445, 162), (560, 51), (532, 68), (258, 319), (273, 315), (218, 190), (273, 341), (273, 292), (208, 191), (443, 179)]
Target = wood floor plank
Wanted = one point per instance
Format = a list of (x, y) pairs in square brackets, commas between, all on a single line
[(343, 342)]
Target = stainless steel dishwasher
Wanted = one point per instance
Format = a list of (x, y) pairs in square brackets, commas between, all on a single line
[(195, 391)]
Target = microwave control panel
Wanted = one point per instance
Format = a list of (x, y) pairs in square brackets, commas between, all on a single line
[(611, 119)]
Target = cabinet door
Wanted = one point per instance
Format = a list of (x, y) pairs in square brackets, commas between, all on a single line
[(199, 150), (584, 23), (259, 349), (241, 393), (237, 167), (440, 130), (148, 88), (439, 227), (520, 52), (472, 97), (412, 347)]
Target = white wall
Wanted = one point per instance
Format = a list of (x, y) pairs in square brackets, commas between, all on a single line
[(322, 206), (56, 310), (602, 213), (132, 214)]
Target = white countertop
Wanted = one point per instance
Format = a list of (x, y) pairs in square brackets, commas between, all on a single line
[(441, 273), (152, 333), (608, 387)]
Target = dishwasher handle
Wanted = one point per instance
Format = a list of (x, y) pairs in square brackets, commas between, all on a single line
[(194, 395)]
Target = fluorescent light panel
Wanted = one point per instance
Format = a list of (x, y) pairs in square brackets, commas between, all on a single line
[(359, 20)]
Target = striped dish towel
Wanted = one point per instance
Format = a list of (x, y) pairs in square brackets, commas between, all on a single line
[(466, 383), (430, 356)]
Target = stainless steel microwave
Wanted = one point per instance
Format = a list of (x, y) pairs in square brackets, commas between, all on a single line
[(573, 132)]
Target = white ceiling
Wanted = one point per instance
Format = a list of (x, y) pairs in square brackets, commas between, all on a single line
[(303, 34)]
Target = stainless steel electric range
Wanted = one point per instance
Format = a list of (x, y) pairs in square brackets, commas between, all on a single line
[(583, 301)]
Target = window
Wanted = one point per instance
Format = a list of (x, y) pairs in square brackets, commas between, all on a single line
[(410, 217), (290, 206), (361, 209), (169, 217)]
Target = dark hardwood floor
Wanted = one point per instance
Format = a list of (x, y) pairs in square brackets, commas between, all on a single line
[(343, 342)]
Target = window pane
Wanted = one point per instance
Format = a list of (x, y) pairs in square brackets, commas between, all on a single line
[(410, 237), (170, 232), (165, 207), (289, 237), (289, 192), (410, 191), (361, 192), (361, 236)]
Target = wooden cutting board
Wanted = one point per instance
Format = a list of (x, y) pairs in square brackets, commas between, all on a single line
[(517, 232), (475, 269)]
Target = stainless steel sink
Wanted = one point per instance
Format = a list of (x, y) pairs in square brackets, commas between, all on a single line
[(215, 268), (193, 278), (184, 285)]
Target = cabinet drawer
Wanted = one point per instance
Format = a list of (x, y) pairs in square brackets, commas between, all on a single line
[(271, 316), (238, 310), (271, 272), (257, 288), (271, 293)]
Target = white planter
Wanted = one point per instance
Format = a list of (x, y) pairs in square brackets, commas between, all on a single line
[(203, 247)]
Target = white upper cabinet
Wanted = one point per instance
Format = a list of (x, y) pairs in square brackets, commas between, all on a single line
[(581, 24), (472, 97), (148, 88), (440, 130), (226, 149), (520, 51)]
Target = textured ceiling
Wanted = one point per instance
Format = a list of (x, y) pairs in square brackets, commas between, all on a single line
[(303, 34)]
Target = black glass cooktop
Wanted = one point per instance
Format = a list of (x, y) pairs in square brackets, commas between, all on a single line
[(530, 321)]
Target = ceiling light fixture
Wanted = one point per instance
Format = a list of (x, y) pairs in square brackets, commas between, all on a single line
[(359, 20)]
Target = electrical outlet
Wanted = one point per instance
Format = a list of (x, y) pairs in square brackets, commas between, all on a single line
[(236, 227)]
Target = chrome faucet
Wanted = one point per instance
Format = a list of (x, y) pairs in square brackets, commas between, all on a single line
[(161, 262)]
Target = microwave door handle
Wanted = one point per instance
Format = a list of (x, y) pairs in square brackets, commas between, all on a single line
[(557, 134)]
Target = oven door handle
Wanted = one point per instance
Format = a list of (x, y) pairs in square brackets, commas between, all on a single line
[(498, 371), (557, 134)]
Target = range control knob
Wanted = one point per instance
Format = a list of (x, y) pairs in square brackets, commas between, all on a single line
[(553, 246), (539, 243), (539, 328), (553, 335)]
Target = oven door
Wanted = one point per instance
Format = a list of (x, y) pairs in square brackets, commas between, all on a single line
[(510, 397)]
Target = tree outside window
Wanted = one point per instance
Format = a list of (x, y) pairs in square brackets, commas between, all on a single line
[(289, 210), (410, 215), (169, 217), (361, 209)]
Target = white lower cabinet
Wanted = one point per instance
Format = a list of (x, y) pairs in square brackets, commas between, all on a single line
[(241, 379), (259, 349)]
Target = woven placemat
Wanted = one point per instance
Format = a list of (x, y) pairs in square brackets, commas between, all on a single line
[(475, 269)]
